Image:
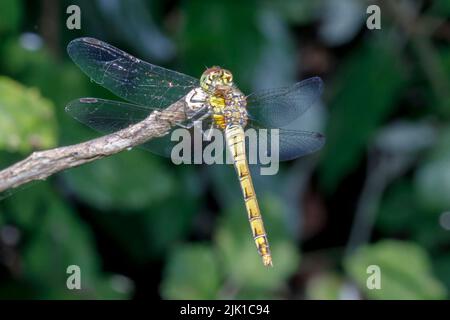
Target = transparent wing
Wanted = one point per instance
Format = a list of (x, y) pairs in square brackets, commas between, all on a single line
[(291, 144), (278, 107), (108, 116), (128, 77), (294, 144), (192, 142)]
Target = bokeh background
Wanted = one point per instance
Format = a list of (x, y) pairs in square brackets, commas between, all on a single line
[(141, 227)]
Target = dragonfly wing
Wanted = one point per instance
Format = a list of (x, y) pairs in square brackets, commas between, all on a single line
[(108, 116), (184, 146), (291, 144), (162, 146), (278, 107), (128, 77), (294, 144)]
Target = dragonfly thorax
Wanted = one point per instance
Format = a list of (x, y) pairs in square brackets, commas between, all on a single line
[(226, 104), (228, 107)]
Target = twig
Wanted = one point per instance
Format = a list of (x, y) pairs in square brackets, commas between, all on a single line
[(42, 164)]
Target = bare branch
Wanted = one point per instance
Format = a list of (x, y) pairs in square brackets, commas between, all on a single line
[(42, 164)]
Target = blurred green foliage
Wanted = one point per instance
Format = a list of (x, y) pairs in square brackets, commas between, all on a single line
[(53, 239), (11, 15), (231, 259), (433, 176), (107, 190), (138, 225), (325, 287), (192, 273), (405, 271), (359, 106), (23, 112)]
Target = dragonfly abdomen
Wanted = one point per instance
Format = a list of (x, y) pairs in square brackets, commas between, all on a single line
[(235, 138)]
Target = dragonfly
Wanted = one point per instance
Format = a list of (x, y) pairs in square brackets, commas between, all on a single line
[(215, 97)]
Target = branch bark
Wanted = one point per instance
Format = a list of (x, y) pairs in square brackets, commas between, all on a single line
[(42, 164)]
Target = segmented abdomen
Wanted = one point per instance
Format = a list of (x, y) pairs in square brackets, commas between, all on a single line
[(235, 138)]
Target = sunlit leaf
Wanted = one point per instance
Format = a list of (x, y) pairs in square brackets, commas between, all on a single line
[(405, 271), (27, 120)]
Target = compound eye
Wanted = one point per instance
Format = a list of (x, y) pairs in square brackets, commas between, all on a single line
[(227, 77)]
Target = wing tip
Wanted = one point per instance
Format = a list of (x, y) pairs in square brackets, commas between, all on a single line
[(83, 40), (321, 137), (69, 106), (322, 140), (315, 83), (318, 80)]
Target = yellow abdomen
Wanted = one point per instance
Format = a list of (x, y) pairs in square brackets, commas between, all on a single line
[(235, 138)]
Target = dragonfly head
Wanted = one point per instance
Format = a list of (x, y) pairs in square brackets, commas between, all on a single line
[(216, 78)]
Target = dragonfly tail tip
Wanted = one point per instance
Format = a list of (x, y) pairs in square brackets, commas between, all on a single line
[(267, 261)]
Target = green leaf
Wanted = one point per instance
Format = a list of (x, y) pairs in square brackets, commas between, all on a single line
[(369, 83), (405, 271), (130, 180), (191, 273), (27, 120)]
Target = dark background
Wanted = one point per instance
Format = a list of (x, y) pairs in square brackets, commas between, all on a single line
[(140, 227)]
